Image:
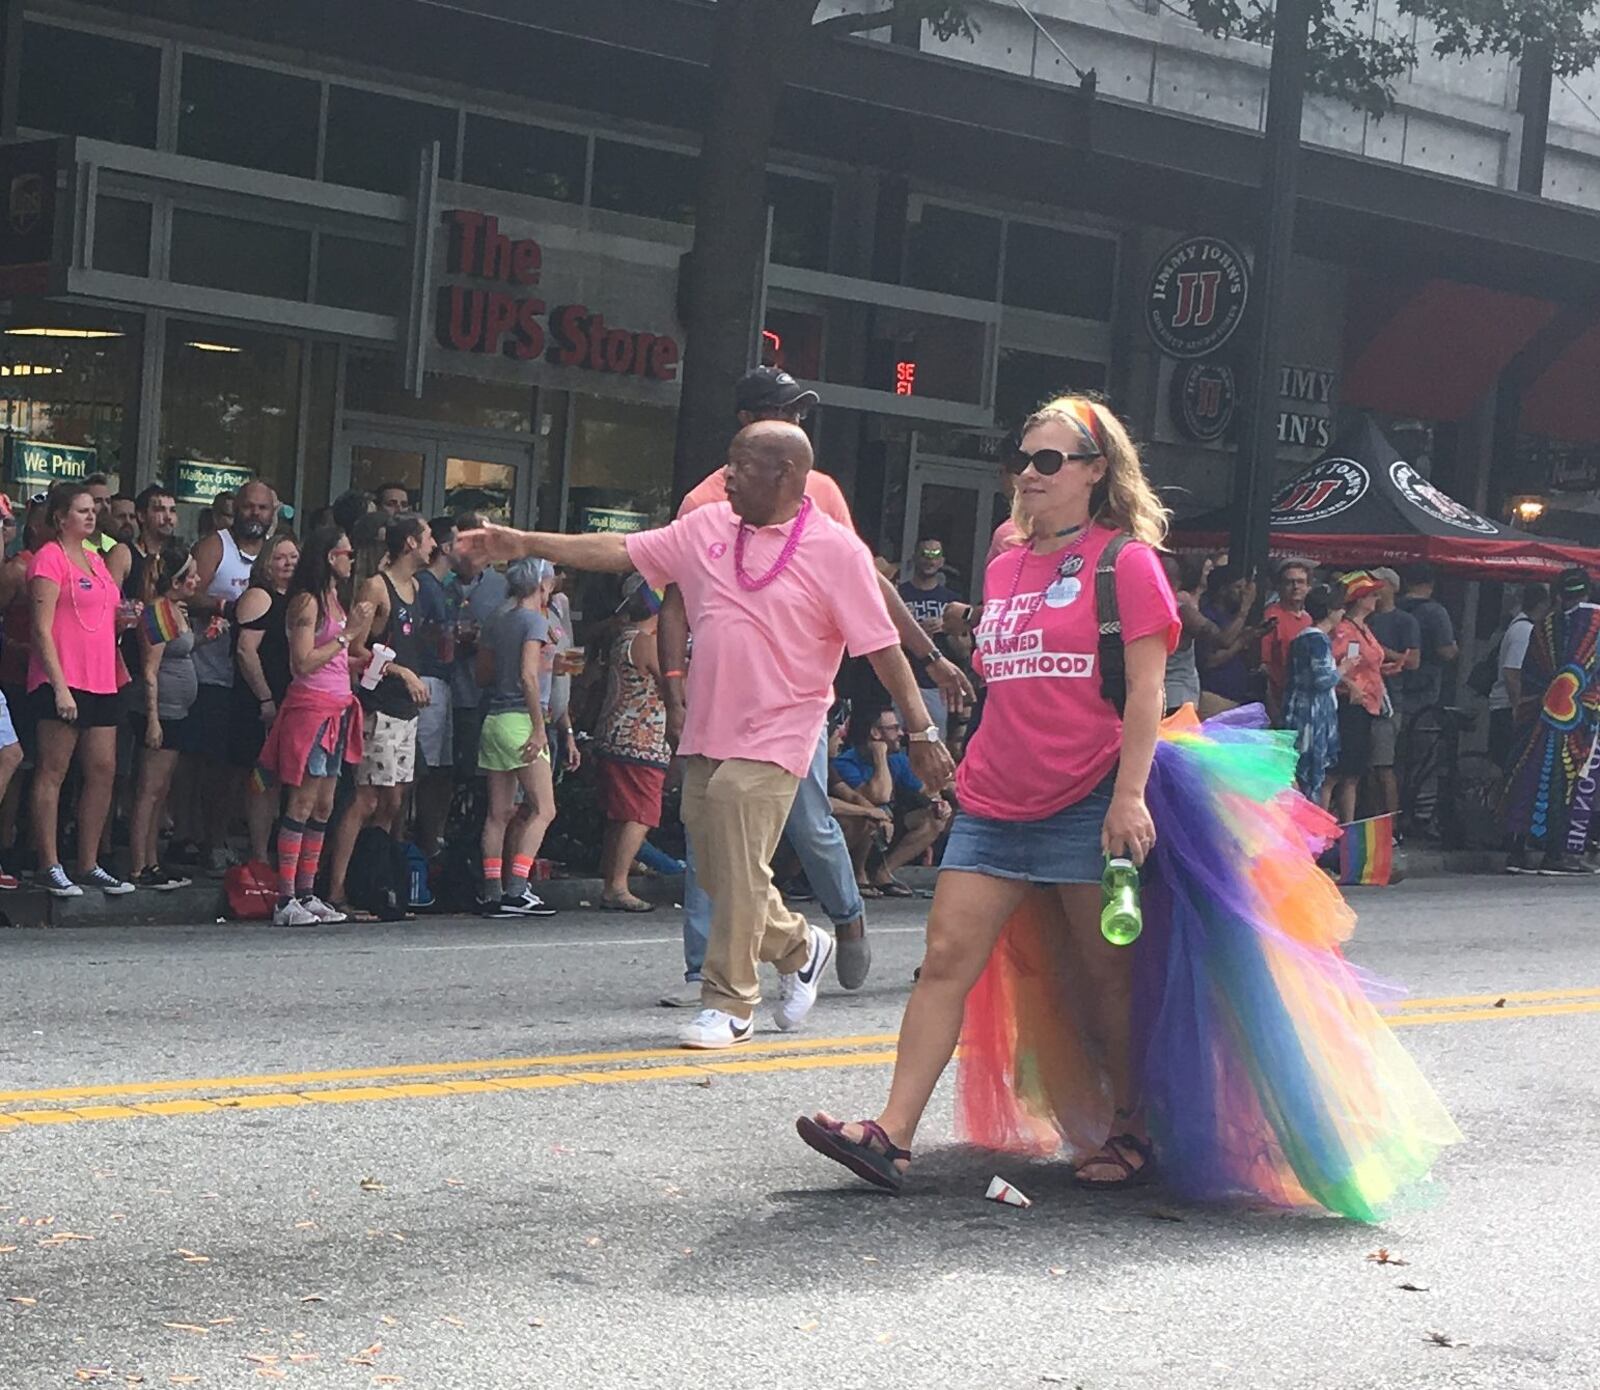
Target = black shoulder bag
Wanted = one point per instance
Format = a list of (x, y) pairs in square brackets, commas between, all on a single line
[(1113, 660)]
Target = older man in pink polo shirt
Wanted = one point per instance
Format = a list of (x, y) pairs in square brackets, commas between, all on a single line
[(776, 591)]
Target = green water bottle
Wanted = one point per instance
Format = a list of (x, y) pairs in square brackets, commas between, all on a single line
[(1120, 918)]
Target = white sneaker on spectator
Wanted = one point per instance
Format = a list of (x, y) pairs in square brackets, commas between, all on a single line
[(797, 992), (294, 913), (713, 1029), (320, 911), (527, 903)]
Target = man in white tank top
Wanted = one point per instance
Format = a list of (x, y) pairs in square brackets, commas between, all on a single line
[(224, 559)]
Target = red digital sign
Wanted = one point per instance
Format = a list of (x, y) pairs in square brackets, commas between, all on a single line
[(905, 378)]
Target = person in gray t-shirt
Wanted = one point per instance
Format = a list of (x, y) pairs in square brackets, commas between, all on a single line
[(514, 747)]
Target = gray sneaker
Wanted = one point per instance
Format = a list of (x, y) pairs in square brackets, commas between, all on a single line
[(684, 996), (853, 959)]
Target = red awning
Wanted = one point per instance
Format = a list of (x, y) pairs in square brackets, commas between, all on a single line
[(1564, 402), (1431, 351)]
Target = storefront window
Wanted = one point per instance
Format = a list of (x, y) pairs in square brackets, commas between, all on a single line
[(1059, 272), (122, 236), (1025, 380), (372, 385), (230, 396), (644, 180), (238, 114), (475, 485), (373, 139), (620, 462), (70, 376), (229, 253), (954, 252), (792, 340), (75, 83), (802, 220), (524, 159), (371, 276)]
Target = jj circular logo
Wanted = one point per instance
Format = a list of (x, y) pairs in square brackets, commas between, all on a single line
[(1418, 491), (1331, 487), (1204, 398), (1197, 296)]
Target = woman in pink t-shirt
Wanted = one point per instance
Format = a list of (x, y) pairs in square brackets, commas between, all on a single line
[(73, 679), (1361, 692), (1054, 779)]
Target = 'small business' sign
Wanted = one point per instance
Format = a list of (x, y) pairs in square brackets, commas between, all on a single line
[(504, 310)]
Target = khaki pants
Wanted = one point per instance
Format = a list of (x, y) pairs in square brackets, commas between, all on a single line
[(735, 810)]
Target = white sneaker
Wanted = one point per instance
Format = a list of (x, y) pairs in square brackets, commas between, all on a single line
[(798, 992), (527, 903), (684, 996), (320, 911), (712, 1029), (294, 913)]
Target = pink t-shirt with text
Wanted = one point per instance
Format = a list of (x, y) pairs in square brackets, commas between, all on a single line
[(1048, 738), (85, 626), (761, 680)]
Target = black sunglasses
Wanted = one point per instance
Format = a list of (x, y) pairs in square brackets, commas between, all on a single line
[(1046, 462)]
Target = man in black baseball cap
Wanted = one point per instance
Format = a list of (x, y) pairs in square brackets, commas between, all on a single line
[(770, 393)]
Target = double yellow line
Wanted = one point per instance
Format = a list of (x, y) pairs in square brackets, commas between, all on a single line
[(424, 1080)]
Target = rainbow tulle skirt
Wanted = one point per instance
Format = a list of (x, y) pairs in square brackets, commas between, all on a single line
[(1265, 1068)]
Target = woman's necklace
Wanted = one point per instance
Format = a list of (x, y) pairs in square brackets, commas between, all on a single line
[(1071, 563), (750, 585), (72, 590)]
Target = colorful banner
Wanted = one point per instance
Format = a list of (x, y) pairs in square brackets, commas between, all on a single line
[(1366, 852), (1582, 813)]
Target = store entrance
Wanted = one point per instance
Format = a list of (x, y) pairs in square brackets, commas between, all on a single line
[(958, 502), (445, 474)]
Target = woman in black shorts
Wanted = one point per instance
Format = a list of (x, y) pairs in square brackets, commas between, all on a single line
[(73, 679)]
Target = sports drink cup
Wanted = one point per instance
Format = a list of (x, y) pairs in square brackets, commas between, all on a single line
[(381, 657), (1121, 920)]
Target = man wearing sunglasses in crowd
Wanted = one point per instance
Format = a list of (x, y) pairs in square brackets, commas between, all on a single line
[(767, 393), (927, 596)]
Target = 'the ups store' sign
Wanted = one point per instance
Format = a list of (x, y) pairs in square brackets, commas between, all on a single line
[(507, 316)]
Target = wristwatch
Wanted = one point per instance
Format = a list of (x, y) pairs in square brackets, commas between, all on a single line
[(929, 735), (343, 639), (927, 659)]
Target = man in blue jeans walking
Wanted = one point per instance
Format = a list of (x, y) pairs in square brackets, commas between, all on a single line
[(766, 393)]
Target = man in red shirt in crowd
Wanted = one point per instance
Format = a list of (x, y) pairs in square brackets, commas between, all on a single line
[(1284, 621)]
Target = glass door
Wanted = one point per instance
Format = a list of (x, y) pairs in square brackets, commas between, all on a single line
[(442, 474), (959, 504)]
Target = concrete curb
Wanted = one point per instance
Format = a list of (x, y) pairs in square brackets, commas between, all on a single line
[(203, 901)]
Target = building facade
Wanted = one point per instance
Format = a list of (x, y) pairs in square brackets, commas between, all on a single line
[(446, 252)]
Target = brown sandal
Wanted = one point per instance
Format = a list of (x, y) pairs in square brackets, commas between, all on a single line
[(1114, 1153)]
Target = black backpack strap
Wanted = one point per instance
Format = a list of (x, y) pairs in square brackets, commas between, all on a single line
[(1113, 660)]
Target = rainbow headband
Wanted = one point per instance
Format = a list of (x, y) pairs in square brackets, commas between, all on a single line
[(1083, 415)]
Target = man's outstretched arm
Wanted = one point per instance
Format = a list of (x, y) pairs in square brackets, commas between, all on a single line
[(502, 544)]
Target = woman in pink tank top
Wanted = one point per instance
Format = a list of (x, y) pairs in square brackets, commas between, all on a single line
[(319, 726)]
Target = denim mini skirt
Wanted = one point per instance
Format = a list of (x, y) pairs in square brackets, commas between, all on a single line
[(1063, 848)]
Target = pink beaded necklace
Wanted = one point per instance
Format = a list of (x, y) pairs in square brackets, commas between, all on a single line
[(750, 585), (72, 590)]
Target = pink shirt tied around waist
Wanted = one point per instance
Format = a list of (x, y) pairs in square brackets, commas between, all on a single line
[(312, 711), (85, 626), (761, 680), (1048, 737)]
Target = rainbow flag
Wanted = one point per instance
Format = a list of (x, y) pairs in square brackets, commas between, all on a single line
[(160, 621), (1366, 851)]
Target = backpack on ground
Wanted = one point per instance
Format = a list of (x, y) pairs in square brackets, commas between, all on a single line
[(379, 877), (418, 888), (251, 890)]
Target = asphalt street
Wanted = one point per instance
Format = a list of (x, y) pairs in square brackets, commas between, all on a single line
[(461, 1156)]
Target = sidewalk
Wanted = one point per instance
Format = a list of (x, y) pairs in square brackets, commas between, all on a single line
[(202, 902)]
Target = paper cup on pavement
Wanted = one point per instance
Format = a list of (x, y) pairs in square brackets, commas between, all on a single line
[(1002, 1191)]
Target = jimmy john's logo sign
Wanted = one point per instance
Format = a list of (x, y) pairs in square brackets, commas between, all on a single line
[(1323, 491), (1204, 401), (505, 310), (1197, 296), (1423, 495)]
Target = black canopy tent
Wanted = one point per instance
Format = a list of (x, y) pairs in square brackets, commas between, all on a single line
[(1361, 503)]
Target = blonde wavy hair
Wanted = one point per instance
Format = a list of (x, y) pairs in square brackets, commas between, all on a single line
[(1123, 499)]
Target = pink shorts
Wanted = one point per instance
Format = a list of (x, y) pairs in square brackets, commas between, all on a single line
[(631, 791)]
